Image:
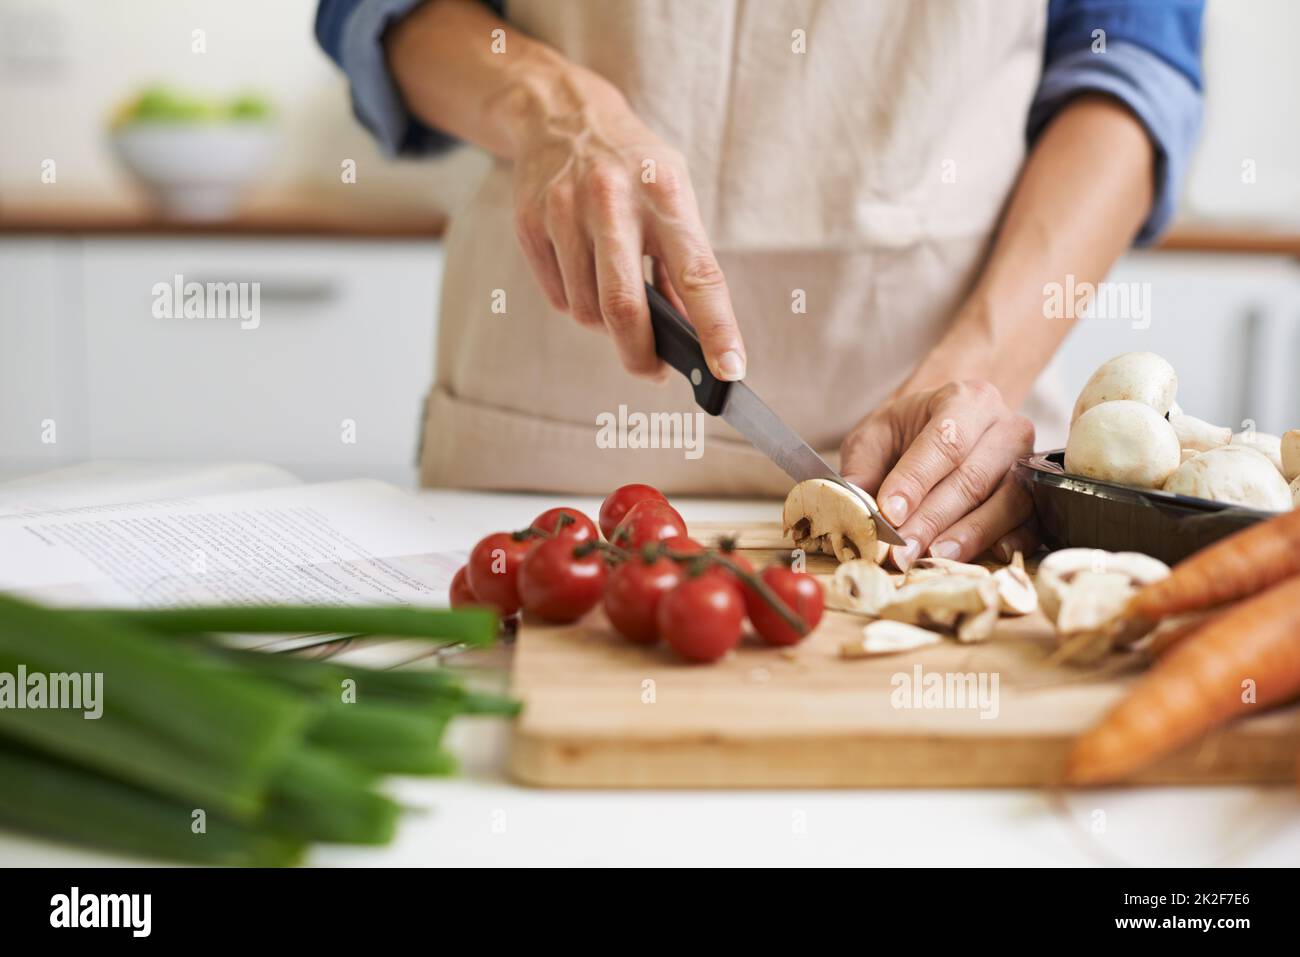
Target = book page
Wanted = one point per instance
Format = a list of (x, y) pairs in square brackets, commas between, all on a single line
[(114, 483), (356, 542)]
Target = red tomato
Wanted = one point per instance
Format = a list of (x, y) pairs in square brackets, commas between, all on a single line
[(633, 593), (726, 574), (701, 618), (460, 594), (682, 544), (620, 502), (647, 523), (801, 593), (555, 585), (580, 529), (493, 570)]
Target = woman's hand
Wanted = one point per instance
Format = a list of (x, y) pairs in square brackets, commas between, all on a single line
[(938, 461), (595, 191)]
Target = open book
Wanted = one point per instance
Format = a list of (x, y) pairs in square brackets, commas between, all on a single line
[(120, 534)]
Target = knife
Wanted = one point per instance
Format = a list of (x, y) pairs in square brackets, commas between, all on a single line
[(679, 346)]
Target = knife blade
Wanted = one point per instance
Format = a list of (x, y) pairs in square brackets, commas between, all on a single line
[(738, 405)]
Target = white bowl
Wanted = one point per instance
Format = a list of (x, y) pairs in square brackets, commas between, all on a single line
[(196, 171)]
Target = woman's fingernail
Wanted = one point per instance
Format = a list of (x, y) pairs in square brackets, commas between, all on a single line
[(896, 509), (945, 549), (731, 365), (904, 555)]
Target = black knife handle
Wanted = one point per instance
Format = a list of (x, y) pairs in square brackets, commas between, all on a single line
[(679, 346)]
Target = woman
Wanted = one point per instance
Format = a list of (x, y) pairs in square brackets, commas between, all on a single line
[(859, 204)]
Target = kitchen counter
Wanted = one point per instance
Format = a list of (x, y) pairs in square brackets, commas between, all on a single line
[(481, 818)]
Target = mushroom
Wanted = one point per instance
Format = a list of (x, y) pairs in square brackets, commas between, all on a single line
[(1295, 492), (1084, 591), (925, 568), (1197, 434), (1134, 376), (1267, 445), (824, 516), (886, 638), (962, 604), (1235, 474), (1016, 593), (1123, 441), (860, 586), (1290, 453)]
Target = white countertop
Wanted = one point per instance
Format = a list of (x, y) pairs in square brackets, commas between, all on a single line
[(482, 819)]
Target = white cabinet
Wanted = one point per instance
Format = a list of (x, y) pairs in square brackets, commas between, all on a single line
[(326, 379)]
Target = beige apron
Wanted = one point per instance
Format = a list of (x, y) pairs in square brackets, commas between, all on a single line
[(864, 175)]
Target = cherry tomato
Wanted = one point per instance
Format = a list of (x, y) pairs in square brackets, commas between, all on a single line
[(682, 544), (647, 523), (701, 618), (632, 596), (460, 594), (801, 593), (580, 529), (620, 502), (555, 585), (493, 570), (727, 575)]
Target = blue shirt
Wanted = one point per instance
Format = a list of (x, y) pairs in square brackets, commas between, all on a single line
[(1144, 53)]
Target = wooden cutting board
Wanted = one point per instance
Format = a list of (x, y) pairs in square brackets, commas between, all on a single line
[(600, 712)]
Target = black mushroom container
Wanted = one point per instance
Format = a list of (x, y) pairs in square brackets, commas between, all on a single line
[(1077, 512)]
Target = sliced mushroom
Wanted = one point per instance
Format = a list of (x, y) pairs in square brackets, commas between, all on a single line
[(1295, 492), (1123, 441), (1290, 453), (823, 516), (962, 604), (1265, 443), (1235, 474), (888, 638), (1016, 593), (1134, 376), (860, 586), (1197, 434), (925, 568), (1084, 591)]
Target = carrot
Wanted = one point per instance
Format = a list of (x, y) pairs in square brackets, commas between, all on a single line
[(1199, 684), (1171, 631), (1242, 564)]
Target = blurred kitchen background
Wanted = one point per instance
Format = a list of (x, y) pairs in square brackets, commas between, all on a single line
[(349, 271)]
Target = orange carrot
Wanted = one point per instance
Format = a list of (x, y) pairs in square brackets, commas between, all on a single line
[(1240, 565), (1198, 684)]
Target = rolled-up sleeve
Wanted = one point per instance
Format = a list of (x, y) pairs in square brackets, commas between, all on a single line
[(352, 32), (1145, 54)]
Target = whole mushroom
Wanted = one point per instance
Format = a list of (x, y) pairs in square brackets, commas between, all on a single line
[(1266, 444), (1123, 441), (1290, 452), (1134, 377), (1235, 474), (1197, 434)]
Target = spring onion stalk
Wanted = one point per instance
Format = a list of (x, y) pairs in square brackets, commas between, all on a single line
[(471, 626), (320, 797)]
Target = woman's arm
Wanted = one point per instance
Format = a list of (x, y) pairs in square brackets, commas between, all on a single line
[(595, 189), (939, 452), (1085, 190)]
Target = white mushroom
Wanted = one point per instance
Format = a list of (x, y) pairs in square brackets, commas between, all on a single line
[(924, 568), (887, 638), (963, 604), (1123, 441), (1134, 376), (823, 516), (1084, 591), (1197, 434), (1295, 492), (1266, 444), (1016, 593), (860, 586), (1290, 452), (1235, 474)]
